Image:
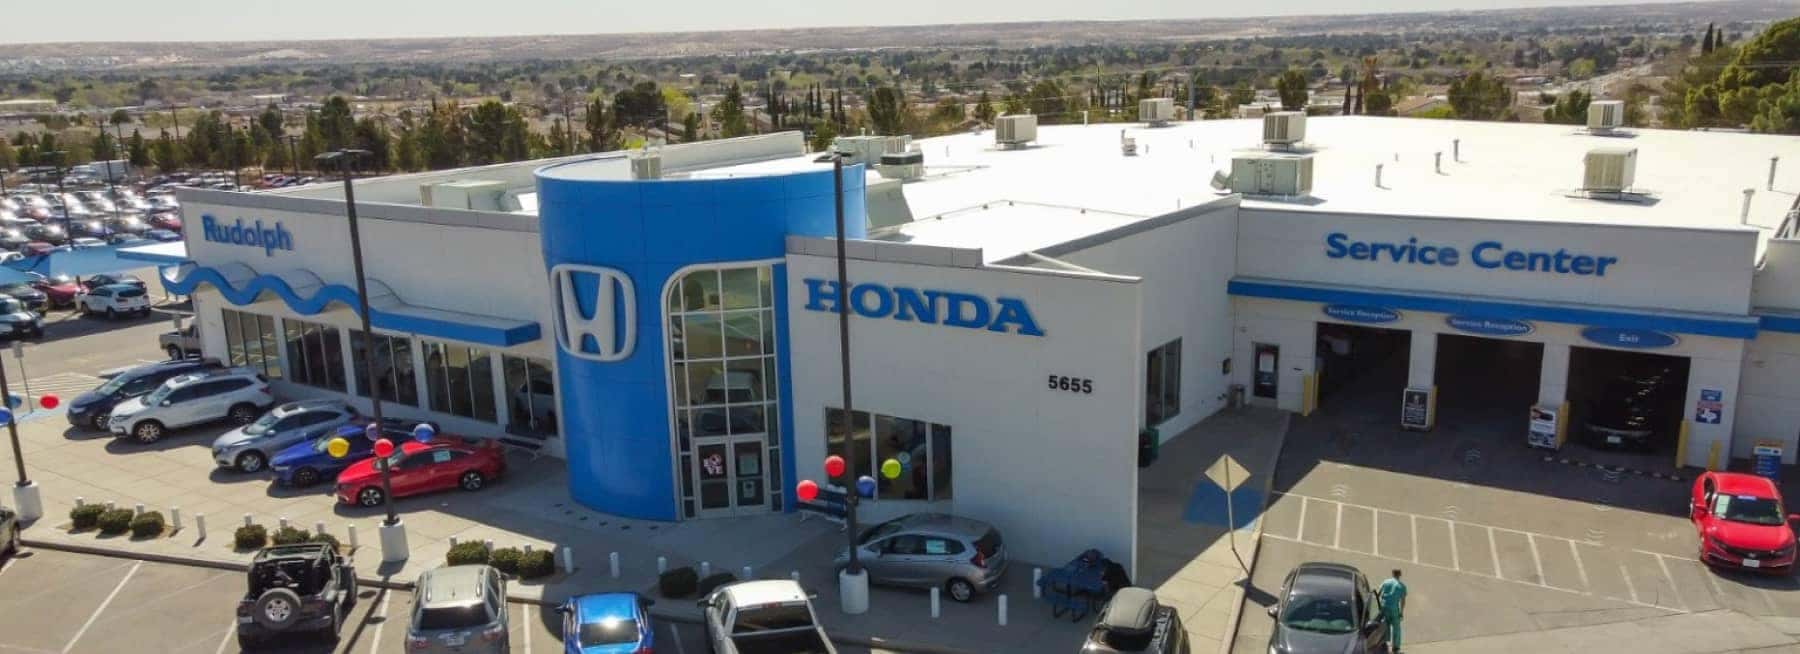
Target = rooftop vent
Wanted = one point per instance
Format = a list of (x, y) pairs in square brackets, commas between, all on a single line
[(868, 150), (1156, 111), (469, 194), (1609, 170), (1605, 115), (1283, 129), (908, 165), (646, 165), (1267, 173), (1015, 131)]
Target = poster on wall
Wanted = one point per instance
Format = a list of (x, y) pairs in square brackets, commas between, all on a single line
[(1543, 428), (1766, 459), (1416, 409), (1711, 407)]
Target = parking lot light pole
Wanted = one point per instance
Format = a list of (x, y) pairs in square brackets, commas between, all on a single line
[(25, 493), (393, 533), (57, 156), (853, 582)]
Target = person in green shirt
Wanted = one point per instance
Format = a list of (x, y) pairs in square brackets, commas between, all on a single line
[(1393, 603)]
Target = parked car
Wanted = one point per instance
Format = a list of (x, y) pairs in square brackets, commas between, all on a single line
[(33, 299), (124, 238), (168, 220), (1133, 621), (94, 408), (773, 615), (459, 609), (182, 343), (13, 238), (307, 463), (87, 242), (238, 394), (1630, 409), (9, 532), (60, 289), (248, 448), (37, 249), (423, 468), (17, 322), (161, 235), (607, 623), (1327, 608), (963, 556), (128, 224), (50, 233), (108, 279), (295, 589), (97, 202), (116, 300), (1742, 523)]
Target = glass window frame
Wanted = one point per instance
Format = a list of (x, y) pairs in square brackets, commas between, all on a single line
[(937, 460), (698, 307), (1162, 383)]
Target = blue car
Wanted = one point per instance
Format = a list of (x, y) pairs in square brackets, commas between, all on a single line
[(306, 463), (607, 623)]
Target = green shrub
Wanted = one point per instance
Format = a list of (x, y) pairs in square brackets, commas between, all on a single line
[(86, 516), (327, 539), (717, 579), (466, 553), (678, 582), (537, 563), (116, 521), (250, 537), (148, 525), (291, 536), (506, 559)]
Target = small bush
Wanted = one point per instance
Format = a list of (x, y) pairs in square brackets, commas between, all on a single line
[(718, 579), (328, 539), (116, 521), (86, 516), (148, 525), (506, 559), (679, 582), (467, 553), (291, 536), (250, 537), (537, 563)]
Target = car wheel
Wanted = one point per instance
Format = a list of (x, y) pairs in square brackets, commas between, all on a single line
[(148, 431), (251, 461), (370, 497), (306, 477), (960, 590), (472, 480), (277, 609), (242, 414), (98, 422), (174, 352)]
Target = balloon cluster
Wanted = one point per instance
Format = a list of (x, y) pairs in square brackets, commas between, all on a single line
[(808, 490), (47, 400)]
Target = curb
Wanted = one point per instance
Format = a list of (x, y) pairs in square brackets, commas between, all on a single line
[(1237, 608), (383, 583)]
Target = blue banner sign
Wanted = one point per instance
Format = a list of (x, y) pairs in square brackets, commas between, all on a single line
[(1362, 314), (1491, 255), (1640, 339), (1488, 326), (869, 300), (254, 235)]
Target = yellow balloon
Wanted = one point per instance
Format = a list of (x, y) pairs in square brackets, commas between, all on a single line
[(337, 448), (890, 469)]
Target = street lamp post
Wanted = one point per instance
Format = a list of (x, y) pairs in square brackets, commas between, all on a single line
[(57, 156), (294, 154), (26, 500), (393, 533), (853, 582)]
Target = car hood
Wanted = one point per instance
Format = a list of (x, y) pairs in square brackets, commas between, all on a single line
[(1288, 640), (85, 399), (64, 289), (18, 317), (360, 471), (1751, 537), (128, 407), (297, 454), (236, 437)]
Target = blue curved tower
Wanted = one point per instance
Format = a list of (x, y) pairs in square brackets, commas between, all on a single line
[(671, 326)]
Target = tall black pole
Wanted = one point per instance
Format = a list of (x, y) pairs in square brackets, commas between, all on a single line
[(345, 160), (59, 192), (294, 154), (12, 428), (843, 309)]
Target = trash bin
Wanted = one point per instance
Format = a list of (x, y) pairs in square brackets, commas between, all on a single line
[(1236, 400), (1149, 446)]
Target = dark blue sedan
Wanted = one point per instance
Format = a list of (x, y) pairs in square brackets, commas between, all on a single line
[(607, 623), (306, 463)]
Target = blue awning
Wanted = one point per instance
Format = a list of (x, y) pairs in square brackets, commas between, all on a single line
[(78, 262)]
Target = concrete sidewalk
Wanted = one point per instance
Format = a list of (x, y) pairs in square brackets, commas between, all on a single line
[(1685, 633)]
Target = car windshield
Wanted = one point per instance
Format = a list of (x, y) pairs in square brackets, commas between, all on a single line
[(157, 396), (770, 617), (1748, 509), (262, 425), (1326, 615), (611, 631)]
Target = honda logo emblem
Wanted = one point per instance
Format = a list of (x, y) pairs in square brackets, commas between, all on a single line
[(610, 332)]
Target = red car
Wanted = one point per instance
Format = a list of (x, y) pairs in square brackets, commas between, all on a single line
[(60, 290), (422, 468), (1742, 523), (170, 221)]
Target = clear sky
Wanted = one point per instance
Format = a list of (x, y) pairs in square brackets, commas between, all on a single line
[(234, 20)]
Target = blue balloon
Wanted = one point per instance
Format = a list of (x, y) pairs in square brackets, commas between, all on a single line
[(423, 433), (865, 486), (14, 401), (373, 431), (6, 417)]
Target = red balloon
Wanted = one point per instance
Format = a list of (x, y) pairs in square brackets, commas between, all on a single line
[(384, 447), (49, 401), (834, 465), (806, 490)]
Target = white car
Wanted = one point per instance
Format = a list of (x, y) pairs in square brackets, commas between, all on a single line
[(238, 394), (771, 615), (115, 300)]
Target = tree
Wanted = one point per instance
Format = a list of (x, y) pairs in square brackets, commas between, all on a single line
[(1570, 109), (1048, 100), (372, 135), (1477, 96), (1764, 60), (885, 111), (488, 133), (948, 111), (729, 113), (1582, 68), (690, 128), (9, 159), (603, 127), (1377, 103), (442, 137), (1291, 86), (823, 133), (136, 149), (1242, 93), (559, 141), (271, 121), (408, 155), (984, 108), (640, 105), (167, 153), (336, 124), (1707, 44), (1781, 113), (120, 117)]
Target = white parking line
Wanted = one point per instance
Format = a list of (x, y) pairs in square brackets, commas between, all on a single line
[(1537, 561), (1579, 566), (680, 648), (1455, 558), (1415, 537), (1337, 536), (226, 641), (102, 608), (1375, 531), (1629, 587), (1302, 532), (1676, 594), (381, 612), (527, 625), (1494, 551)]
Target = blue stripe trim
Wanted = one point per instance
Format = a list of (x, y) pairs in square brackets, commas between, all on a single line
[(524, 332), (1787, 324), (159, 259), (1724, 328)]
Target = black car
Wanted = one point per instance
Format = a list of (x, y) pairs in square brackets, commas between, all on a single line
[(1133, 621), (1630, 409), (1327, 608), (17, 322), (52, 234), (294, 589), (93, 408), (33, 299)]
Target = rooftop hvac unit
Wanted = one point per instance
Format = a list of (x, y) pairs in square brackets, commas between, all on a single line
[(902, 165), (1606, 115), (1272, 174), (472, 194), (867, 150), (1128, 146), (646, 165), (1156, 111), (1284, 128), (1609, 170), (1015, 130)]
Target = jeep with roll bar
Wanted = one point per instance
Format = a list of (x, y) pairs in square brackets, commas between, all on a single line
[(304, 588)]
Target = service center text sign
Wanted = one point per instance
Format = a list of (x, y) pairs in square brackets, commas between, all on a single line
[(869, 300), (1491, 255), (253, 235)]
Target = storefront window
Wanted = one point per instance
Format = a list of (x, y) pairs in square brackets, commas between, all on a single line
[(530, 396), (723, 387), (1162, 383), (922, 449), (315, 354), (393, 368), (460, 380), (250, 342)]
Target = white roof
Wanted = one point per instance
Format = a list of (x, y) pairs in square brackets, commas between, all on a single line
[(1005, 229)]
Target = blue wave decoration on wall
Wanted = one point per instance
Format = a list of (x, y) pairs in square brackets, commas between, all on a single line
[(425, 325)]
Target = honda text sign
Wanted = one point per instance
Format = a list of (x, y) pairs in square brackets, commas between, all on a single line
[(596, 311)]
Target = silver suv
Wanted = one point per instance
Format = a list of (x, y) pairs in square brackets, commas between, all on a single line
[(460, 609), (238, 394), (932, 550), (249, 448)]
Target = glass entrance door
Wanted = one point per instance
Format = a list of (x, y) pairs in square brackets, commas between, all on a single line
[(732, 473)]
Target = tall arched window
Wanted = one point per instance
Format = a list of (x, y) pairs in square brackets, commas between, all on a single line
[(724, 390)]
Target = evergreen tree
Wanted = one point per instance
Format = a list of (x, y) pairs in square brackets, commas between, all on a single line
[(336, 124), (372, 135), (271, 121), (729, 113), (136, 149), (488, 132), (407, 155), (1291, 86), (886, 111), (690, 128), (1706, 42), (167, 153), (984, 108), (603, 128)]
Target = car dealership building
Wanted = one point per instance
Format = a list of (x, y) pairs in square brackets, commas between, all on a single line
[(1024, 306)]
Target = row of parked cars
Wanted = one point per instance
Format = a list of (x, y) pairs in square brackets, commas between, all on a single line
[(23, 304), (37, 222)]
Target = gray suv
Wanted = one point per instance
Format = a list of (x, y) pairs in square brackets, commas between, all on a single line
[(932, 550), (460, 609)]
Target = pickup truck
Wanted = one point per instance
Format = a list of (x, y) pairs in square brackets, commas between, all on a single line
[(763, 617), (181, 343)]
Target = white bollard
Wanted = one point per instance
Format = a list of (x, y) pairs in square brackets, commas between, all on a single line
[(175, 516), (1003, 609), (109, 506), (705, 569), (200, 524), (748, 574), (281, 522), (350, 534), (662, 564), (935, 607), (527, 549), (795, 575), (319, 528), (489, 544), (452, 542), (80, 501), (1037, 575), (139, 509), (568, 560), (612, 564), (248, 520)]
